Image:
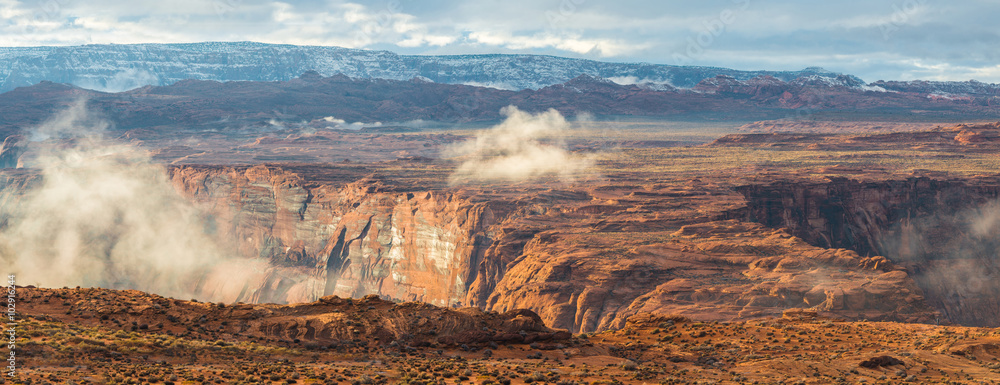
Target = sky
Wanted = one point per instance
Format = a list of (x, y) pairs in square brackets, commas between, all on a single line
[(872, 39)]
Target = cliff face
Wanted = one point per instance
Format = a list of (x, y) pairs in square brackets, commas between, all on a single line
[(944, 232), (856, 215), (583, 259), (349, 241), (10, 151), (719, 270)]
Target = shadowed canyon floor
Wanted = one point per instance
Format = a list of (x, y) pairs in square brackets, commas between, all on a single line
[(755, 257)]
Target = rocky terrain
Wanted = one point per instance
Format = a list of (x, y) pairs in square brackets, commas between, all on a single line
[(561, 253), (329, 321), (952, 140), (96, 336)]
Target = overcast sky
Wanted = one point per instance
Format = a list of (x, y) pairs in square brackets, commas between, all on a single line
[(873, 39)]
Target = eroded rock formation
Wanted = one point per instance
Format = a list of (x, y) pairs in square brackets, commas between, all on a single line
[(583, 259), (350, 240), (331, 321)]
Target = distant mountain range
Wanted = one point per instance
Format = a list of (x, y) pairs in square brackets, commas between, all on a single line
[(313, 101), (121, 67)]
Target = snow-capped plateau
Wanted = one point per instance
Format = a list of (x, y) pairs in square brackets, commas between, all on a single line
[(117, 67)]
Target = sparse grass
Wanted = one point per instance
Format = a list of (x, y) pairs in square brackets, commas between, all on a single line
[(57, 342), (744, 162)]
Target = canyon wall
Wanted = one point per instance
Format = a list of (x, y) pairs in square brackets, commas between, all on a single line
[(944, 232), (584, 259), (861, 216), (716, 270), (350, 240)]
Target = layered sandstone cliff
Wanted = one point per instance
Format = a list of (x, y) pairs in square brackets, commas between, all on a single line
[(721, 270), (349, 240), (583, 259)]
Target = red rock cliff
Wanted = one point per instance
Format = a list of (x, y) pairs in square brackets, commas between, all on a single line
[(583, 259), (351, 240)]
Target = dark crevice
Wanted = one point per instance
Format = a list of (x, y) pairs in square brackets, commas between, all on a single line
[(945, 233), (335, 263)]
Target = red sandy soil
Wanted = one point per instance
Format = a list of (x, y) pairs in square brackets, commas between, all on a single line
[(103, 336)]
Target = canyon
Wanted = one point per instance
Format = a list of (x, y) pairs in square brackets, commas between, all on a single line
[(313, 242), (751, 242), (858, 246), (942, 231), (585, 260)]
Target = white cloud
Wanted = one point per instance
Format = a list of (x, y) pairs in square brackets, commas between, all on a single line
[(10, 9), (95, 23), (575, 44), (103, 214), (122, 81), (941, 71), (523, 147)]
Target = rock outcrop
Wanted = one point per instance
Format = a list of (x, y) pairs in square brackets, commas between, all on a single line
[(331, 321), (710, 271), (10, 151)]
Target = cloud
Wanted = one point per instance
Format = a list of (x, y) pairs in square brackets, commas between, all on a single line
[(74, 122), (349, 25), (570, 43), (103, 214), (523, 147), (122, 81), (955, 255)]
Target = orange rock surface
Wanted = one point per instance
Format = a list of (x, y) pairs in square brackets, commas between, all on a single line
[(583, 259)]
